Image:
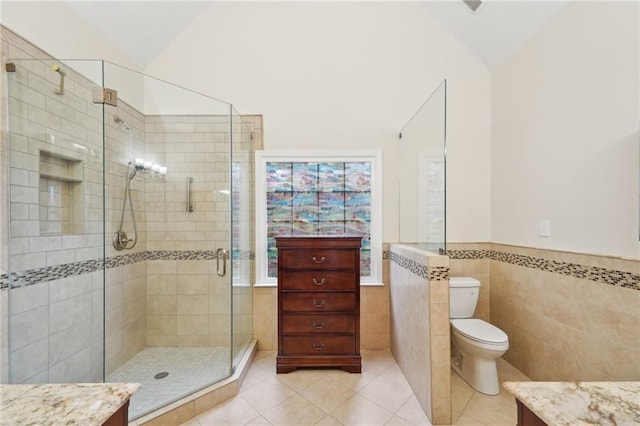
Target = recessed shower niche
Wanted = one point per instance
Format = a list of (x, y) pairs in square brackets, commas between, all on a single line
[(61, 200)]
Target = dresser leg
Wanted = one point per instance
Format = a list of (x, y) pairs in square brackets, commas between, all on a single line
[(352, 368), (285, 369)]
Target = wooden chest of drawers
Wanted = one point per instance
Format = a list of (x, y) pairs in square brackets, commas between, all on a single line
[(318, 303)]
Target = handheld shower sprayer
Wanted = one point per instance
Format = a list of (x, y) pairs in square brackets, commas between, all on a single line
[(120, 239)]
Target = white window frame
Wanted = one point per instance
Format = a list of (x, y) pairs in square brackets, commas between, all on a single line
[(374, 157)]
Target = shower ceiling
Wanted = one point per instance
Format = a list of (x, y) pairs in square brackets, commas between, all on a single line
[(142, 29)]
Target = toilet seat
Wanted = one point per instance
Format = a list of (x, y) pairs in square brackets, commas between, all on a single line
[(480, 331)]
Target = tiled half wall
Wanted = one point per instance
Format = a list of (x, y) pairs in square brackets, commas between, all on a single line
[(420, 341)]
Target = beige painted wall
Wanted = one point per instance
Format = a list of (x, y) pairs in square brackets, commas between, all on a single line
[(565, 133), (345, 75)]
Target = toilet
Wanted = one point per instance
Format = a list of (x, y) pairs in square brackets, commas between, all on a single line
[(476, 343)]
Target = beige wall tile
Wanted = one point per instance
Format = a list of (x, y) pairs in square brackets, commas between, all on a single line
[(167, 340), (215, 397), (162, 325), (192, 305), (440, 350), (162, 305), (192, 284), (562, 327), (439, 319), (440, 382), (161, 284), (176, 416), (441, 408), (192, 325), (439, 291)]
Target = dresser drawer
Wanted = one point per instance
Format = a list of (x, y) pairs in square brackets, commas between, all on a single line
[(317, 323), (318, 345), (318, 302), (318, 280), (318, 258)]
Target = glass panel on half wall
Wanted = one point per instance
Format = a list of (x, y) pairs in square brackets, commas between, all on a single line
[(422, 175)]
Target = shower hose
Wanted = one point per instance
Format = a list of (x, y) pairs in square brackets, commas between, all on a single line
[(120, 239)]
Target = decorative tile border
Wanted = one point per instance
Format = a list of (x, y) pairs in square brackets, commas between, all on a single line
[(592, 273), (438, 273), (410, 265), (469, 254), (433, 273), (51, 273)]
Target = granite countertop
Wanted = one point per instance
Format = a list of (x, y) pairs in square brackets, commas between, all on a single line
[(580, 403), (64, 403)]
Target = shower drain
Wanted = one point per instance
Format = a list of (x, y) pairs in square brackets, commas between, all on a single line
[(161, 375)]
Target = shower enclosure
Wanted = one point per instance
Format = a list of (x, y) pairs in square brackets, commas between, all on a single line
[(130, 228)]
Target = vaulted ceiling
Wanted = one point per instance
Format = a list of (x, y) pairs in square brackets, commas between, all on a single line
[(142, 29)]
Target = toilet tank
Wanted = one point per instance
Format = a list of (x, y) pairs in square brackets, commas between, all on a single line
[(463, 296)]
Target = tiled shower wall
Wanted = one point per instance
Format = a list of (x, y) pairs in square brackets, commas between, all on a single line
[(56, 297), (188, 303), (420, 338), (568, 316)]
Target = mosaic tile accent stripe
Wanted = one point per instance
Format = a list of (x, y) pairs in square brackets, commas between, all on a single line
[(592, 273), (433, 273), (51, 273), (438, 273), (410, 265), (469, 254)]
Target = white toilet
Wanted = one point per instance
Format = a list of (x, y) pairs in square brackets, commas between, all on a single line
[(476, 343)]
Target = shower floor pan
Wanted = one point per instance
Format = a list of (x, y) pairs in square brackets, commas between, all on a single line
[(189, 369)]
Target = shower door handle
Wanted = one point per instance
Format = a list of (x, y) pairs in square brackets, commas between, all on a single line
[(224, 254)]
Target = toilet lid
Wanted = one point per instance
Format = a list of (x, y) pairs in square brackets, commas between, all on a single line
[(479, 330)]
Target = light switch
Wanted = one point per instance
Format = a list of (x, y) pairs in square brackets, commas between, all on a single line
[(544, 228)]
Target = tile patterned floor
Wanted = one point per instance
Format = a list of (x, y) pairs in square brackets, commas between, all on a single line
[(378, 396), (189, 369)]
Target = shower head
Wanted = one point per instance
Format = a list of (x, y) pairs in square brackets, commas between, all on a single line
[(121, 121)]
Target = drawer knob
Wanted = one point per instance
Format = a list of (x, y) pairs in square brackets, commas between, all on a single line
[(318, 347), (316, 282), (315, 259), (321, 325), (318, 304)]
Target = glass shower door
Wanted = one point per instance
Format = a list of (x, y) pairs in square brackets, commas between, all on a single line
[(169, 296)]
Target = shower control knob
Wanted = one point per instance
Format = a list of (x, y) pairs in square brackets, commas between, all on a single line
[(120, 240)]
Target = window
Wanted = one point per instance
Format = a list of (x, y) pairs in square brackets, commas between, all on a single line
[(318, 193)]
